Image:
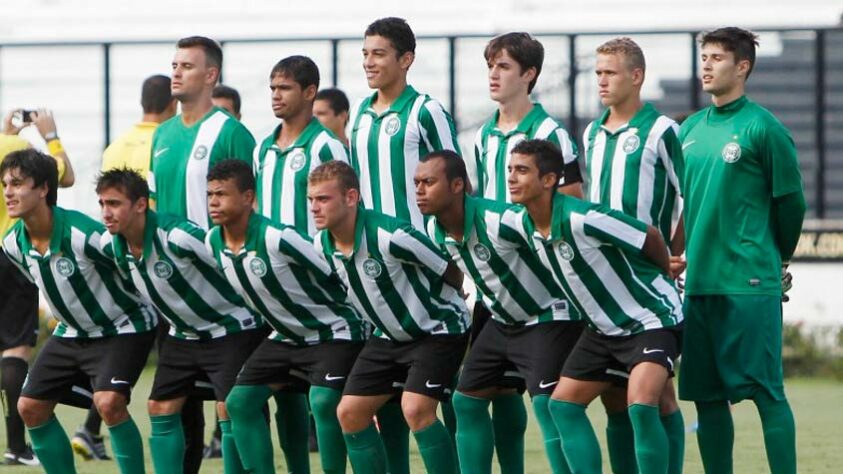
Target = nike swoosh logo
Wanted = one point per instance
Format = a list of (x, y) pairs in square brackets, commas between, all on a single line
[(115, 381), (159, 152), (331, 379), (432, 385), (549, 384), (652, 351), (687, 144)]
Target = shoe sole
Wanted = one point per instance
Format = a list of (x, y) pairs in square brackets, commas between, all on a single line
[(82, 450)]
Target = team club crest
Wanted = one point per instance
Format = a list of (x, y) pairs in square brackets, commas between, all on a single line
[(482, 252), (258, 267), (393, 123), (565, 250), (731, 152), (65, 267), (162, 269), (200, 153), (631, 144), (372, 268), (297, 160)]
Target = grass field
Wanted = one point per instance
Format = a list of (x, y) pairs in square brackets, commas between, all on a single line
[(816, 404)]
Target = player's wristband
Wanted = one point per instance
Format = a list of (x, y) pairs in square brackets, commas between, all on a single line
[(50, 136), (55, 146)]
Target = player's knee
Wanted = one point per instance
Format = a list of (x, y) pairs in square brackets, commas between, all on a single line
[(33, 412), (418, 415), (111, 406), (351, 418)]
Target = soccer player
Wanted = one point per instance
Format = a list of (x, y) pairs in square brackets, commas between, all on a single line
[(296, 146), (391, 129), (185, 147), (331, 109), (743, 216), (228, 99), (212, 331), (615, 270), (515, 62), (104, 331), (634, 164), (402, 285), (533, 328), (133, 149), (316, 330)]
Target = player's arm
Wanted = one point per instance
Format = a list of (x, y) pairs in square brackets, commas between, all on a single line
[(333, 149), (437, 127), (627, 233), (241, 144), (187, 240), (655, 250), (571, 181), (12, 249), (44, 122), (453, 275), (479, 176), (411, 246), (299, 250)]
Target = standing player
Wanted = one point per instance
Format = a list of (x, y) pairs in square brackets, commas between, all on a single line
[(316, 331), (212, 332), (228, 99), (743, 214), (104, 332), (614, 269), (533, 327), (634, 164), (185, 147), (331, 109), (410, 293)]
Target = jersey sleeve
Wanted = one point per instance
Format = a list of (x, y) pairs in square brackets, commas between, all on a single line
[(779, 160), (150, 178), (437, 127), (615, 228), (187, 240), (299, 250), (570, 166), (478, 178), (12, 250), (241, 144), (409, 245), (511, 230), (670, 154), (331, 150)]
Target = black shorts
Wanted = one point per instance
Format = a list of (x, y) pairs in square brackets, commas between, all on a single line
[(538, 352), (427, 366), (18, 307), (602, 358), (111, 363), (326, 365), (181, 363), (511, 377)]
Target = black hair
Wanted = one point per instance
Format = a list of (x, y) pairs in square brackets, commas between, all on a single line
[(238, 170), (454, 165), (126, 180), (524, 49), (212, 49), (397, 31), (299, 68), (738, 41), (31, 163), (336, 98), (155, 94), (548, 157), (226, 92)]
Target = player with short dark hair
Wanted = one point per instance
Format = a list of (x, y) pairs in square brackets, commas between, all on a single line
[(738, 247), (226, 97), (330, 107)]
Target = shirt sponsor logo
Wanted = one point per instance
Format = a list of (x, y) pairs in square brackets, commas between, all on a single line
[(258, 267), (65, 267), (482, 252), (731, 152), (372, 268), (631, 144), (200, 153), (565, 250), (162, 269), (393, 124), (297, 160)]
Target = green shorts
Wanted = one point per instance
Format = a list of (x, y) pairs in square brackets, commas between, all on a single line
[(732, 348)]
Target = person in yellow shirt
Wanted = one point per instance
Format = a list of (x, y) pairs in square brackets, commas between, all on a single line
[(19, 297), (133, 148)]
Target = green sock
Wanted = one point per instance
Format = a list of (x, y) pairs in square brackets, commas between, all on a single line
[(166, 443), (579, 443), (475, 434), (436, 449), (231, 462), (396, 438), (674, 427), (127, 444), (550, 434), (621, 443), (248, 429), (779, 433), (366, 452), (50, 443), (715, 436), (293, 425), (323, 403), (509, 417), (651, 448)]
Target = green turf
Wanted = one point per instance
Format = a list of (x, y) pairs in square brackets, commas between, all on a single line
[(816, 404)]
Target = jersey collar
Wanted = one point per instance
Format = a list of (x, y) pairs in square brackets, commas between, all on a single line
[(359, 225), (556, 216), (56, 235), (313, 127), (524, 126), (440, 236), (725, 112), (642, 116), (398, 105)]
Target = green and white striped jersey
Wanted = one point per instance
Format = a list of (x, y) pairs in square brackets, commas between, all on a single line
[(182, 156), (178, 275), (394, 276), (280, 274), (493, 149), (82, 285), (281, 175), (386, 147), (638, 168), (595, 254), (512, 281)]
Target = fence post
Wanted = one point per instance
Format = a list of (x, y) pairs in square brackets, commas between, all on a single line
[(573, 125), (452, 78), (694, 89), (819, 121), (335, 62), (106, 65)]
